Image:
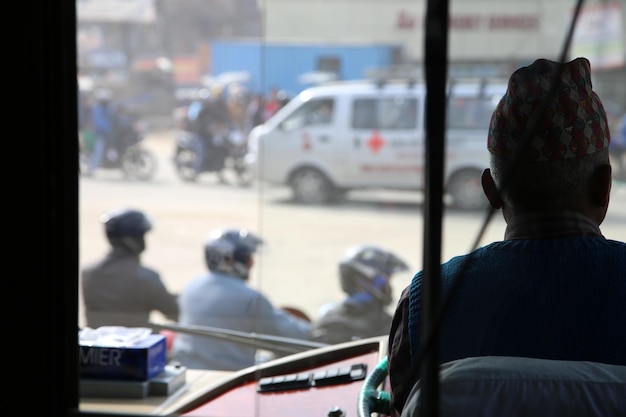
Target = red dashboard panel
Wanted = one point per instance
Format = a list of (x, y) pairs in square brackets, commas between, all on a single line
[(244, 399)]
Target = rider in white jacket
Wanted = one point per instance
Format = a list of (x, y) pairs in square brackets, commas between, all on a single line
[(222, 298)]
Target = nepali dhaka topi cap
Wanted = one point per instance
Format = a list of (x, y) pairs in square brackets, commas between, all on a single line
[(573, 124)]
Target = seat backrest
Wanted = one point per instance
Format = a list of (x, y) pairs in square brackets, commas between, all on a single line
[(527, 387)]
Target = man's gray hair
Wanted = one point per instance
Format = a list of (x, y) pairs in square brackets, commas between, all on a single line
[(548, 184)]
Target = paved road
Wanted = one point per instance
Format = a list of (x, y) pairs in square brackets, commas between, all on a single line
[(298, 266)]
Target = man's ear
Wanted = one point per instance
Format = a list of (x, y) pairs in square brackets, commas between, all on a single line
[(601, 181), (490, 189)]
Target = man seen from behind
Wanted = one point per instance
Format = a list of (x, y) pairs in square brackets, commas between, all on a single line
[(555, 287)]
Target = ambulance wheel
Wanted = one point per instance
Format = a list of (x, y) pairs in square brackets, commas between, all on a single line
[(466, 190), (310, 186)]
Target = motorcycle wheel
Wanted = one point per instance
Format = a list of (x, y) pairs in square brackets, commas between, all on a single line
[(184, 161), (139, 163), (244, 177)]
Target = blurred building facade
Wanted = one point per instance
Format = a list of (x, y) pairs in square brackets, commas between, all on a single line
[(487, 38)]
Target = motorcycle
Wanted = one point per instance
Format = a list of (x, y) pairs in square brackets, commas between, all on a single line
[(226, 152), (125, 153)]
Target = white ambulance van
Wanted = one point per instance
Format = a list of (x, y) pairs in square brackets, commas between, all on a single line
[(344, 136)]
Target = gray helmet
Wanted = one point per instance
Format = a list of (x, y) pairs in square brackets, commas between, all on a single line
[(126, 228), (368, 269), (229, 251)]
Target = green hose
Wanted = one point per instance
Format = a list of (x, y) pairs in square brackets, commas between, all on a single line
[(371, 400)]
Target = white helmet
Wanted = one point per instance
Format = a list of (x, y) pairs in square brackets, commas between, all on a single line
[(229, 251)]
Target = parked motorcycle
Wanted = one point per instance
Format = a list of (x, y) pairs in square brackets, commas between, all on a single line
[(225, 153), (125, 153)]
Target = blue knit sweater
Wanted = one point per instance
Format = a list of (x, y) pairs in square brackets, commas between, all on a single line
[(545, 298)]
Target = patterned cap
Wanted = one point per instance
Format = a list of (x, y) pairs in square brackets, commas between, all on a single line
[(573, 124)]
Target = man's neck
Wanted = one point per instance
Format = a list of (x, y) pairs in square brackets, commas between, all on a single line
[(550, 224)]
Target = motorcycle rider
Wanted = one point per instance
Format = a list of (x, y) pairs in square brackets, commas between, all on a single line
[(222, 298), (210, 124), (365, 272), (124, 133), (117, 289), (102, 121)]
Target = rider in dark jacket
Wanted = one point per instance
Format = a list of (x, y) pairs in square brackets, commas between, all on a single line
[(117, 289), (124, 131), (210, 126), (365, 272)]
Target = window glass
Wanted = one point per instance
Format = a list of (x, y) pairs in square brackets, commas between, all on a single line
[(386, 113), (277, 120), (470, 112), (312, 113)]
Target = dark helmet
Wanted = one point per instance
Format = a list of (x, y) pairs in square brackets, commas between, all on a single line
[(126, 228), (229, 251), (368, 269)]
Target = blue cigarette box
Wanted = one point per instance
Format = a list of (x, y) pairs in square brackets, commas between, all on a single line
[(139, 361)]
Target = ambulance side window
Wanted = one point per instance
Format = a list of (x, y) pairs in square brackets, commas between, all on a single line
[(402, 113), (364, 114), (384, 113), (319, 112), (312, 113), (470, 112)]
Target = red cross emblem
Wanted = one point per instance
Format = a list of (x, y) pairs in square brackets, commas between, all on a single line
[(375, 142)]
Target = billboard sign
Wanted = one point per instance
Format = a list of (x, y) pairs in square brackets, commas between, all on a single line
[(116, 11)]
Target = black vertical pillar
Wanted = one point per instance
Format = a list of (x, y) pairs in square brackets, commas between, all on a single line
[(436, 71)]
